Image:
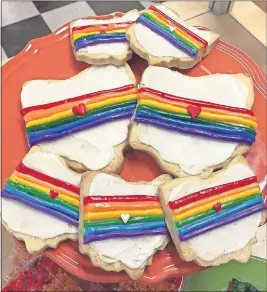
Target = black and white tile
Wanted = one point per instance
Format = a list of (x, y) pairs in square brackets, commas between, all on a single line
[(23, 21)]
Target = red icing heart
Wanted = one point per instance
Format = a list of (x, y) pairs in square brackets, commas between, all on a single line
[(103, 29), (217, 207), (79, 110), (53, 194), (193, 111)]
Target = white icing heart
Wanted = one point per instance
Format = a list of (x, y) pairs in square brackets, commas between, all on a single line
[(125, 218), (172, 28)]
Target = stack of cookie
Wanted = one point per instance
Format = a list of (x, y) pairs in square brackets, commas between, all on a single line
[(196, 128)]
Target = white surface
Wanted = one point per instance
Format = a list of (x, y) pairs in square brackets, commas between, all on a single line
[(251, 17), (192, 153), (21, 218), (59, 16), (133, 252), (229, 238), (149, 40), (94, 146), (4, 56), (14, 11)]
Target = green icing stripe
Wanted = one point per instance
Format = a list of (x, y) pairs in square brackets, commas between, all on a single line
[(195, 120), (120, 222), (167, 30), (41, 195), (75, 117), (192, 219)]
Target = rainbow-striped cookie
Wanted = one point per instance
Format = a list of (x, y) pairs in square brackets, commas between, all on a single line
[(193, 125), (101, 39), (214, 220), (163, 39), (121, 224), (41, 201)]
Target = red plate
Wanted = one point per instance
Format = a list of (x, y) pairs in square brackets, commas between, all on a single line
[(51, 58)]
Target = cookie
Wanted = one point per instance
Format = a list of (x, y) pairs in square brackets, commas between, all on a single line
[(101, 39), (83, 119), (193, 125), (163, 39), (214, 220), (121, 223), (40, 201)]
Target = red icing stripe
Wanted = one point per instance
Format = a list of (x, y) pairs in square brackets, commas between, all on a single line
[(192, 34), (211, 192), (77, 98), (195, 102), (132, 198), (100, 25), (59, 183)]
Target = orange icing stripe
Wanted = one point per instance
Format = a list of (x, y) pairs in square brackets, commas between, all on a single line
[(214, 199), (45, 184), (44, 113), (148, 96), (114, 206)]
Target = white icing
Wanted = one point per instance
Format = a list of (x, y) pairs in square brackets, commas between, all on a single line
[(133, 252), (112, 48), (26, 220), (50, 164), (192, 153), (92, 147), (150, 40), (229, 238)]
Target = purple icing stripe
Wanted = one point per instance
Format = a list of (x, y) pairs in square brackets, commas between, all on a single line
[(165, 35), (230, 219), (98, 237), (80, 45), (85, 125), (197, 132), (46, 210)]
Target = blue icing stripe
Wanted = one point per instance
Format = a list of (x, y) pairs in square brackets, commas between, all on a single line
[(123, 228), (98, 39), (81, 124), (191, 124), (218, 216), (41, 202)]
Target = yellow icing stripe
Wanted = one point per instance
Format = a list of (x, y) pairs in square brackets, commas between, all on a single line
[(117, 214), (177, 32), (89, 107), (204, 115), (61, 196), (84, 34), (210, 205)]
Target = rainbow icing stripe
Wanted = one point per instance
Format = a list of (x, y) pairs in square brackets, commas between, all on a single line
[(195, 117), (58, 119), (44, 193), (178, 35), (90, 35), (211, 208), (102, 217)]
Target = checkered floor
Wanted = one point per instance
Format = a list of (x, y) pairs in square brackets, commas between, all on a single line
[(24, 21)]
